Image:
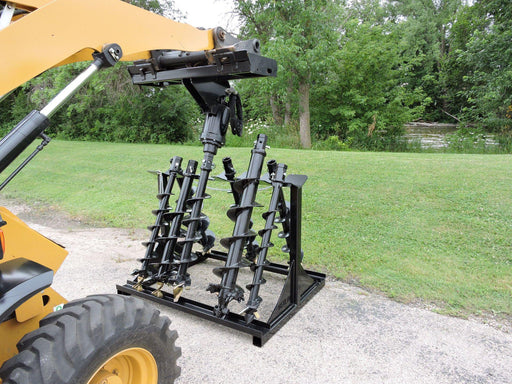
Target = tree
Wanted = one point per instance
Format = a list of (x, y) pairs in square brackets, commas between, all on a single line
[(358, 73), (426, 29), (160, 7), (364, 100), (487, 58), (302, 33)]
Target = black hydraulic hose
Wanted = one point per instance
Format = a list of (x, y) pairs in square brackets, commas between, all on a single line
[(177, 59), (45, 141)]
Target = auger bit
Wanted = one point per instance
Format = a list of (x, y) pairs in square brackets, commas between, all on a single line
[(241, 214), (251, 245), (150, 259), (171, 238), (277, 174)]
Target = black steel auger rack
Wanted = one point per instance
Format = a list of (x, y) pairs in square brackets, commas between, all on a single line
[(300, 284)]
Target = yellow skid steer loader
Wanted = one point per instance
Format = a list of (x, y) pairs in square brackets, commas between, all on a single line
[(102, 339)]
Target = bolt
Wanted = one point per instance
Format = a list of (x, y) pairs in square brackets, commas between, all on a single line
[(221, 34), (114, 53), (256, 45)]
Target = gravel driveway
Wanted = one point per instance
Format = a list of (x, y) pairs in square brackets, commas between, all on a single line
[(343, 335)]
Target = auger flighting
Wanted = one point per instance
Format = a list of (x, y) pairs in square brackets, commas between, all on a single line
[(213, 137), (176, 230), (169, 251), (206, 73), (277, 174), (229, 176), (166, 271), (165, 182), (241, 215)]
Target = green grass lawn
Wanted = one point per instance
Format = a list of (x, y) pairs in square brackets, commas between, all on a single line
[(429, 227)]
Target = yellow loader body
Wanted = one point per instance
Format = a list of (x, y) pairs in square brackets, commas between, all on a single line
[(22, 242)]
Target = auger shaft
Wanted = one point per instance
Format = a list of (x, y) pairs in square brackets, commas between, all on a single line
[(229, 172), (277, 174), (228, 290), (284, 219), (163, 208), (212, 138), (176, 219), (193, 220)]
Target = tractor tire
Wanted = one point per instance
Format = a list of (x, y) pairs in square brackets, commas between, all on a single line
[(103, 339)]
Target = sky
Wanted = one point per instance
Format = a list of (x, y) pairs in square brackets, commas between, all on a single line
[(208, 13)]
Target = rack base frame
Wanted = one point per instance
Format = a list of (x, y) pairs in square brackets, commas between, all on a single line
[(300, 286)]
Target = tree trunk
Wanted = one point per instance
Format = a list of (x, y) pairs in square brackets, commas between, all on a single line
[(442, 55), (287, 113), (274, 105), (288, 105), (304, 116)]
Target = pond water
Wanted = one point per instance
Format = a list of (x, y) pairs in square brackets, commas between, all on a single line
[(429, 135), (433, 135)]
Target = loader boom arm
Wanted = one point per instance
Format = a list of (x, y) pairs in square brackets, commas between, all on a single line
[(57, 32), (36, 35)]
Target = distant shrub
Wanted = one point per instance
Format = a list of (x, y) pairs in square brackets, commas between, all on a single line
[(467, 140), (332, 143)]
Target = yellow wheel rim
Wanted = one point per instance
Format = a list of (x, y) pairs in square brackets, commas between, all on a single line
[(130, 366)]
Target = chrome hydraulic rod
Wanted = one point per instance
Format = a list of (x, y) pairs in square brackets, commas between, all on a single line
[(72, 88), (7, 14), (111, 55), (31, 127)]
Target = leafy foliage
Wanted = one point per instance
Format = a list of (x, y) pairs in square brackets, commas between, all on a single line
[(351, 60), (361, 100), (488, 57), (356, 70), (301, 33), (109, 107)]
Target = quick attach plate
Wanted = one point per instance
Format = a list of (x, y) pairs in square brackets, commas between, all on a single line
[(227, 65)]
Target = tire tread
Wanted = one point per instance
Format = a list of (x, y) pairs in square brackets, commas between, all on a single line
[(68, 339)]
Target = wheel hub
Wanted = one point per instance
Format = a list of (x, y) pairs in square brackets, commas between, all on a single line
[(130, 366)]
